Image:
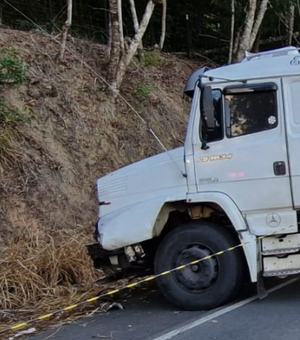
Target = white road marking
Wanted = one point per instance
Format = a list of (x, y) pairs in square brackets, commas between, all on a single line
[(218, 313)]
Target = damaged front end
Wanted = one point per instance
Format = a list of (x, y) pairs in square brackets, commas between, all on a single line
[(129, 260), (122, 258), (101, 257), (130, 200)]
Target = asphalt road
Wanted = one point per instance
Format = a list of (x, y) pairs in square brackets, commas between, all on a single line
[(148, 316)]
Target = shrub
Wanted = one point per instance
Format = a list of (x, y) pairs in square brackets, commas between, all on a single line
[(12, 70), (153, 58)]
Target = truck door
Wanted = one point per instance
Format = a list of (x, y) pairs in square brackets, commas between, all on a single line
[(291, 92), (245, 157)]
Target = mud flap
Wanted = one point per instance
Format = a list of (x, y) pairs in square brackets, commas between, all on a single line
[(261, 290)]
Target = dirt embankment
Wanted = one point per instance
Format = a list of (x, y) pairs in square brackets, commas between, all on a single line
[(49, 165)]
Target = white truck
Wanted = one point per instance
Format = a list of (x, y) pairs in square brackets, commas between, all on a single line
[(236, 178)]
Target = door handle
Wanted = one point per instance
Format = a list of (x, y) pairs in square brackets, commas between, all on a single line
[(279, 168)]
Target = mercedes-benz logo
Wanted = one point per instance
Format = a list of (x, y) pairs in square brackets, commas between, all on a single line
[(273, 220)]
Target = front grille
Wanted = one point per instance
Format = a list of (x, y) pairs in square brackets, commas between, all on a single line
[(112, 188)]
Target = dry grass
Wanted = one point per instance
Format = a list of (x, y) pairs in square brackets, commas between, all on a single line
[(40, 272), (8, 153)]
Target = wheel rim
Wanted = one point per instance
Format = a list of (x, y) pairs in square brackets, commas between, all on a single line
[(200, 276)]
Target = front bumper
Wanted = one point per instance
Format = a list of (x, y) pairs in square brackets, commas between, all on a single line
[(101, 256)]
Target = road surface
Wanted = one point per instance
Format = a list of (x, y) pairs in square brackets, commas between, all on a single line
[(148, 316)]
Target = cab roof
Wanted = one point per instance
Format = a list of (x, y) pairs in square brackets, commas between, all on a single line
[(276, 63)]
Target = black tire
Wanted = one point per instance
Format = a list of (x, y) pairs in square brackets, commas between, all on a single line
[(221, 278)]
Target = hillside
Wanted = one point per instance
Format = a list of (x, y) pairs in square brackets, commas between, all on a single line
[(69, 134)]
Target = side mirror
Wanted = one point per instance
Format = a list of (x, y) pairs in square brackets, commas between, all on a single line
[(207, 107)]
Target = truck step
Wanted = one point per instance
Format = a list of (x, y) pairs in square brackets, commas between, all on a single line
[(281, 251), (281, 245), (274, 266), (282, 273)]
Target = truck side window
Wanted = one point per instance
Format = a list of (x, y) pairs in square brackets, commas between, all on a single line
[(217, 134), (250, 110)]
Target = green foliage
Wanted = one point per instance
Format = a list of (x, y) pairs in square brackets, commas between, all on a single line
[(12, 70), (192, 26), (153, 58), (143, 91), (11, 117)]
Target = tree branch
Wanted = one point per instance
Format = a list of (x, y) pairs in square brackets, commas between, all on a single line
[(126, 58), (163, 24), (244, 39), (260, 15), (231, 31), (65, 30), (136, 27), (120, 18)]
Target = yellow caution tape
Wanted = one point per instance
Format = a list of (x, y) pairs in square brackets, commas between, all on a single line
[(131, 285)]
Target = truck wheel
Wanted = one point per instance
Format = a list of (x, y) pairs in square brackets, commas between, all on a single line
[(207, 284)]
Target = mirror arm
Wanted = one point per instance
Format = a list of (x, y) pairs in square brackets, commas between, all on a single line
[(204, 146)]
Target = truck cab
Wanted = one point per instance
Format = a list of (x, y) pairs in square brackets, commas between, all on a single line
[(235, 182)]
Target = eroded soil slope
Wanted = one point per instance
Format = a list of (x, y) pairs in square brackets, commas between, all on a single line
[(49, 162), (76, 134)]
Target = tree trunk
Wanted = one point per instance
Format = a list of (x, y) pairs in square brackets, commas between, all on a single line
[(126, 58), (291, 23), (255, 47), (163, 24), (65, 30), (50, 7), (190, 50), (236, 41), (136, 28), (245, 37), (231, 31), (120, 18), (1, 13), (259, 18), (108, 24), (286, 23), (115, 49)]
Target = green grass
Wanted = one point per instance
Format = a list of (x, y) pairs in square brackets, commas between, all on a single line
[(143, 91), (153, 58), (11, 116), (12, 69), (12, 72)]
